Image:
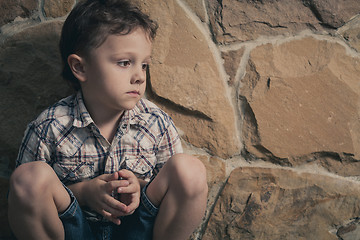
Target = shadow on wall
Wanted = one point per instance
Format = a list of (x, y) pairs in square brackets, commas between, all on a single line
[(30, 68), (30, 81)]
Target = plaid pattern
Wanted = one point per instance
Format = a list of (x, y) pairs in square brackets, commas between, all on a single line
[(67, 139)]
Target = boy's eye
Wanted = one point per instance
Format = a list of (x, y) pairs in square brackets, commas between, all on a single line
[(124, 63), (144, 66)]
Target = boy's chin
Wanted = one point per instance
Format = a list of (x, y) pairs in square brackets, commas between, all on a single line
[(128, 107)]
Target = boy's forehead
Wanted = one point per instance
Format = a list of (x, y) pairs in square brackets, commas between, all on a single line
[(135, 41), (124, 36)]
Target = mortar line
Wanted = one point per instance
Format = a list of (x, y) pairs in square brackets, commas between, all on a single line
[(41, 10), (217, 59)]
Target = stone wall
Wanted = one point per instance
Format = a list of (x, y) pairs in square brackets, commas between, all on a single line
[(265, 93)]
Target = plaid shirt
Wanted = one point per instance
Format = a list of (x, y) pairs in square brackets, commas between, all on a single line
[(67, 139)]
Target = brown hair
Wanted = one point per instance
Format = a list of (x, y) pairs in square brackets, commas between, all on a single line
[(92, 21)]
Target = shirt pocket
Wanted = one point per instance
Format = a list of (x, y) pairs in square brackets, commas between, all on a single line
[(69, 172), (141, 165), (75, 157)]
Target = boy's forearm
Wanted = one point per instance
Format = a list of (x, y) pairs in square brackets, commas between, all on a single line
[(78, 189)]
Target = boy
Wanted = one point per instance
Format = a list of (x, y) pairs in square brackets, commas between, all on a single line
[(105, 149)]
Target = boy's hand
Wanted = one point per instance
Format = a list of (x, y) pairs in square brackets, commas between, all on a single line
[(130, 194), (98, 194)]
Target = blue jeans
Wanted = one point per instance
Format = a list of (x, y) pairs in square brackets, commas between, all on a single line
[(138, 226)]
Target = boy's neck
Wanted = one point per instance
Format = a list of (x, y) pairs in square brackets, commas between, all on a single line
[(106, 121), (108, 126)]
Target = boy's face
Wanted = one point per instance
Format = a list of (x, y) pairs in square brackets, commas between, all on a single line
[(115, 72)]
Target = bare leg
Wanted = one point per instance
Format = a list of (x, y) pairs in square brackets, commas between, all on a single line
[(35, 198), (180, 189)]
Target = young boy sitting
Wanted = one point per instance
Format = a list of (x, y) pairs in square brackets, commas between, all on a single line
[(105, 163)]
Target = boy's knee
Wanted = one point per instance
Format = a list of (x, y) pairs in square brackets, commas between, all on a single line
[(30, 180), (190, 172)]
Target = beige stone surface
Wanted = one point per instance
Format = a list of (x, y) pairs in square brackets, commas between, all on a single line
[(303, 97), (198, 7), (234, 21), (334, 13), (298, 102), (351, 33), (29, 82), (260, 203), (185, 80), (57, 8), (232, 61), (216, 172), (216, 178), (10, 9)]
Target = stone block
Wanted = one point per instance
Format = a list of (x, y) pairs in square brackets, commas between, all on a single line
[(264, 203), (301, 98), (9, 10), (189, 86), (57, 8), (30, 81), (5, 232)]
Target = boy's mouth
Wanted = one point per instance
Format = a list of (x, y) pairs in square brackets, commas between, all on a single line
[(133, 92)]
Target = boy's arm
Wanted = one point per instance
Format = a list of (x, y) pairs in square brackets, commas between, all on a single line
[(32, 147)]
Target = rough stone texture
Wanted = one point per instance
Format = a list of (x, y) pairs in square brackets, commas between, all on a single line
[(333, 13), (10, 9), (231, 63), (215, 169), (247, 20), (298, 99), (351, 33), (57, 8), (196, 99), (259, 203), (30, 81), (197, 6), (4, 225), (216, 176), (350, 230), (313, 87)]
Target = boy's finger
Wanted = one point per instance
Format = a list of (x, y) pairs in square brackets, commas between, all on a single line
[(111, 218), (126, 174), (132, 207), (113, 185), (132, 188), (114, 206), (109, 177)]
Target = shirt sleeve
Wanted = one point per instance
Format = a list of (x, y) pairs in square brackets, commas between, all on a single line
[(33, 147), (169, 145)]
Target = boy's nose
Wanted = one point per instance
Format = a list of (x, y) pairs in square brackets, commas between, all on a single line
[(139, 76)]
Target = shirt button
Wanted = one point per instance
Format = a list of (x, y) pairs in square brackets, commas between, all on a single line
[(72, 175), (124, 126)]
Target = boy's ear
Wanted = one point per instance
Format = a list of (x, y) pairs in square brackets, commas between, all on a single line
[(76, 64)]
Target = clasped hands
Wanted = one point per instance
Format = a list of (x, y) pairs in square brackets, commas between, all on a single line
[(100, 191)]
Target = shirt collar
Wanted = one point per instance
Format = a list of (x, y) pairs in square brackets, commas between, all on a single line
[(82, 117)]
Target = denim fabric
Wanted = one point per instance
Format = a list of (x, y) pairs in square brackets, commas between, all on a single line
[(138, 226), (75, 224)]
